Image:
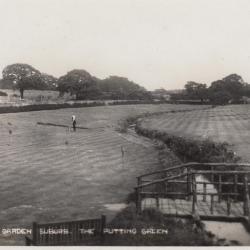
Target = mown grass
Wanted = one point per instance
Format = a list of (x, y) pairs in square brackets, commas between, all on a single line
[(132, 119), (221, 124)]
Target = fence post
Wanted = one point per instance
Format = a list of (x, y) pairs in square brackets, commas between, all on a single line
[(34, 233), (189, 183), (138, 200), (138, 181), (212, 174), (103, 225), (157, 201), (212, 204), (204, 191), (235, 184), (228, 205), (194, 193), (246, 196), (219, 197), (164, 187)]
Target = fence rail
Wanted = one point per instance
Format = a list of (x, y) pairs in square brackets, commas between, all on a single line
[(195, 165), (223, 184)]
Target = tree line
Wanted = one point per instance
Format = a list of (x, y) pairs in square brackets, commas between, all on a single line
[(230, 89), (82, 85), (78, 83)]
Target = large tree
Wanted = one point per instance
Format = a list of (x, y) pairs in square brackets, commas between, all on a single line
[(246, 90), (230, 88), (196, 91), (78, 82), (116, 87), (49, 81), (23, 77)]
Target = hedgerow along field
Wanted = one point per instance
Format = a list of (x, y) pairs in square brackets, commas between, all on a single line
[(229, 124), (53, 174)]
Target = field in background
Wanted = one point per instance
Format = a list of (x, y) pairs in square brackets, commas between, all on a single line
[(31, 97), (220, 124), (41, 97), (52, 174)]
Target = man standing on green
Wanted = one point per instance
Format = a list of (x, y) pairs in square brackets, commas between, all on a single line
[(74, 122)]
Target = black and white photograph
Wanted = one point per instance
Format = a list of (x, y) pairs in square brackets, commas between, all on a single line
[(124, 123)]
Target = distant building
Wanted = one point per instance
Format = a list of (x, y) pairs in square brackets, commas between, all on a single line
[(161, 94)]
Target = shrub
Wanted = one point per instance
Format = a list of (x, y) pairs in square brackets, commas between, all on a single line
[(37, 107), (190, 149)]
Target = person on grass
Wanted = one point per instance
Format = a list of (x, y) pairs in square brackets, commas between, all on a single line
[(74, 122)]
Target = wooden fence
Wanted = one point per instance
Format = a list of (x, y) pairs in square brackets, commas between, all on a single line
[(82, 232), (230, 180)]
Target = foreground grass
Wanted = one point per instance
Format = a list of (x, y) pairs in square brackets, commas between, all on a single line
[(180, 232)]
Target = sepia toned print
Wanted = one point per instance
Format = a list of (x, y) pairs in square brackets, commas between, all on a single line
[(124, 123)]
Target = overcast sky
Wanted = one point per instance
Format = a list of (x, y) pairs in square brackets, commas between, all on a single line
[(156, 43)]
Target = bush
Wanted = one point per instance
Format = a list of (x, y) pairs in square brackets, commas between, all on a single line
[(37, 107), (192, 150)]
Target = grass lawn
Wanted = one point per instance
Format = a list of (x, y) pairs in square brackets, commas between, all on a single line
[(52, 174), (221, 124)]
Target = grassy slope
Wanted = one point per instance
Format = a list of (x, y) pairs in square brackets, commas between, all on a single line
[(227, 123)]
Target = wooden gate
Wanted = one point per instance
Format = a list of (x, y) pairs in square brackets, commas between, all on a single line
[(82, 232)]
